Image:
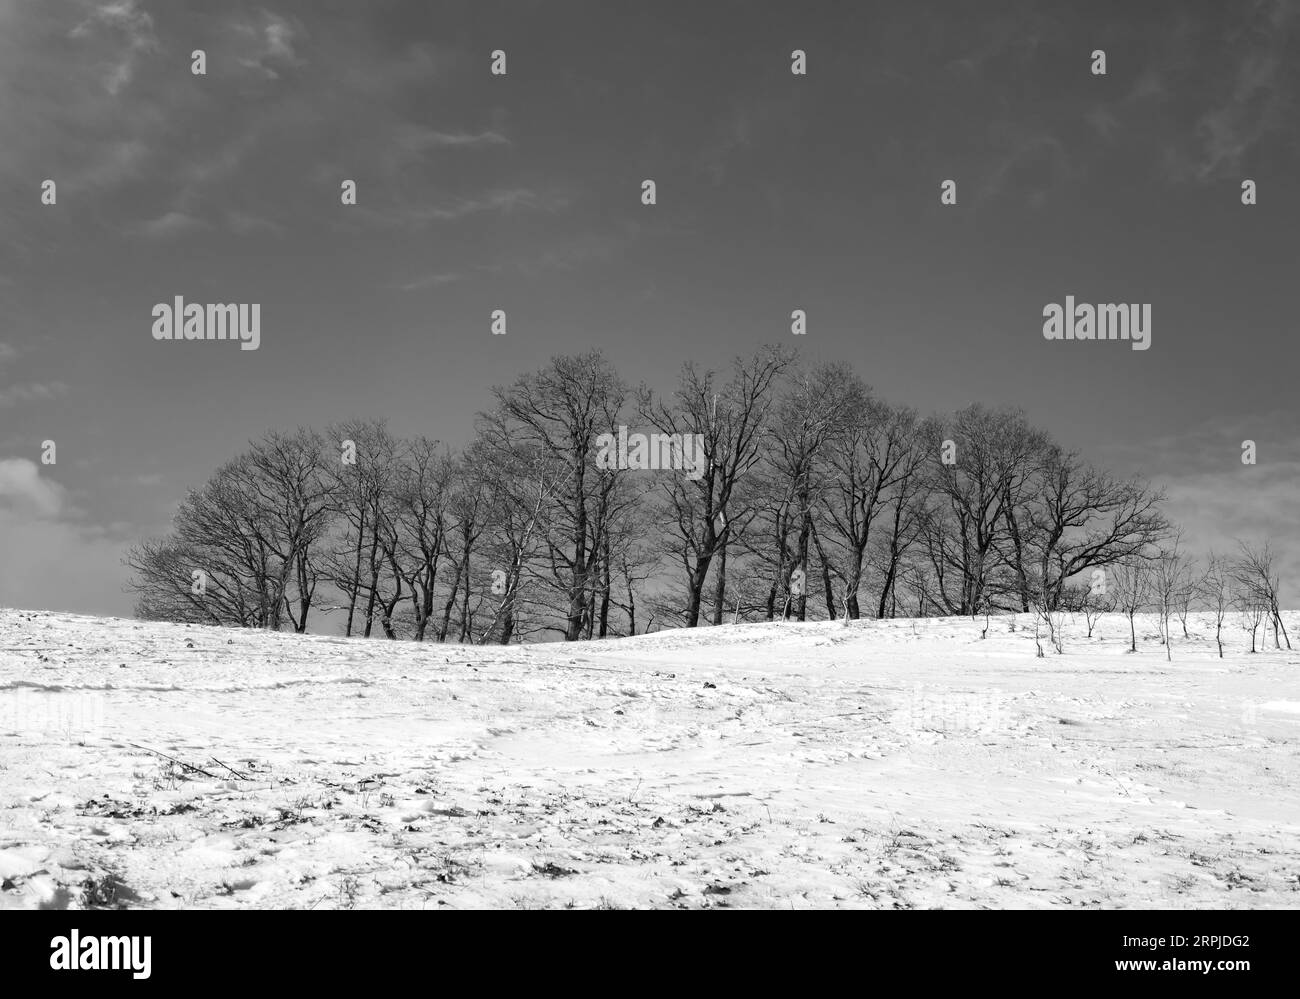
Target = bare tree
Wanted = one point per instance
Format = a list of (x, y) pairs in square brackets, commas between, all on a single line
[(1215, 588), (872, 458), (250, 533), (706, 516), (907, 515), (974, 529), (811, 409), (1253, 611), (1189, 588), (1168, 571), (364, 478), (558, 412), (169, 586), (1095, 602), (421, 498), (468, 506), (519, 491), (1045, 615), (1080, 518), (1130, 581), (1251, 596), (1253, 570)]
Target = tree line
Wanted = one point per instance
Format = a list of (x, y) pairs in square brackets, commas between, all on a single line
[(819, 500)]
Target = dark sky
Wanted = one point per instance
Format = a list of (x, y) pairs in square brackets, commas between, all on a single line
[(522, 193)]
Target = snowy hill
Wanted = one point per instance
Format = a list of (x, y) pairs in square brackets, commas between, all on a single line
[(885, 764)]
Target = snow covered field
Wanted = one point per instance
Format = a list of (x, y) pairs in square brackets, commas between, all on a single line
[(886, 764)]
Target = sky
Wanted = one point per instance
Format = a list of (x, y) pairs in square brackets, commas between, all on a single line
[(522, 192)]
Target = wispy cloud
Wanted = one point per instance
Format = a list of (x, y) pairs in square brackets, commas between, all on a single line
[(513, 199), (31, 392), (166, 226), (1255, 103), (245, 224), (268, 44), (432, 281), (112, 164), (175, 151), (411, 144), (419, 138), (1032, 166), (501, 201), (1103, 121), (132, 34)]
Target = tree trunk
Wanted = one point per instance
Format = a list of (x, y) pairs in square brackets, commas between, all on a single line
[(451, 602), (827, 588), (356, 573), (720, 585), (604, 590), (695, 590)]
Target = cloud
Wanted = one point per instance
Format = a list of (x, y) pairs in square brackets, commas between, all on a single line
[(62, 108), (124, 23), (166, 226), (744, 125), (22, 489), (347, 95), (432, 281), (269, 45), (500, 201), (577, 251), (411, 143), (31, 392), (1103, 122), (1254, 106), (1035, 165), (54, 565), (1249, 503), (416, 66), (1217, 499), (419, 138), (50, 560), (115, 163), (496, 201), (244, 224), (999, 47), (279, 38)]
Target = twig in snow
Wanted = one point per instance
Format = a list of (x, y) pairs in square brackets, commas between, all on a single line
[(231, 769), (181, 763)]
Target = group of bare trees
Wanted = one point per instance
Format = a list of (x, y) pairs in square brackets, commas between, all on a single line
[(818, 499), (246, 545), (1169, 583)]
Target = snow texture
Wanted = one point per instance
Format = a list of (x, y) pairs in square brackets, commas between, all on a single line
[(887, 764)]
